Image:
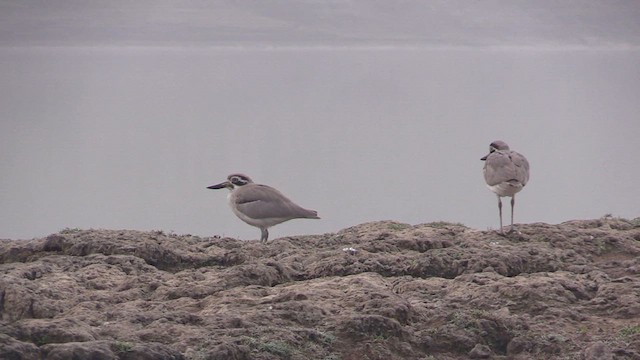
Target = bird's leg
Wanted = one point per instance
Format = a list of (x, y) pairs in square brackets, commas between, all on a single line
[(500, 211), (513, 202), (265, 235)]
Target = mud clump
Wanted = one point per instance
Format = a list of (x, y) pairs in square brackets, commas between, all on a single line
[(381, 290)]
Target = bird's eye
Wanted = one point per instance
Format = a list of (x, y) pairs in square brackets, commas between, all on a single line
[(237, 180)]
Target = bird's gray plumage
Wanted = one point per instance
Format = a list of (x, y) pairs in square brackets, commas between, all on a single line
[(262, 202), (506, 172), (260, 205)]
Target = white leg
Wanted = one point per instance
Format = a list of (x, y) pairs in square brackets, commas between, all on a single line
[(500, 212), (513, 203)]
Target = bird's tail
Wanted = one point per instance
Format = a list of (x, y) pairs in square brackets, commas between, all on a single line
[(312, 214)]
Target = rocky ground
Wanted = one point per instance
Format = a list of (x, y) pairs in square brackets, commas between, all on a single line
[(382, 290)]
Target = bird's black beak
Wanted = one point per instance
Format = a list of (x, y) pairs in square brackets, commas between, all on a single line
[(222, 185), (491, 150)]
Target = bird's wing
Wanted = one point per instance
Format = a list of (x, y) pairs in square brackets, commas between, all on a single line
[(521, 167), (262, 202), (500, 167)]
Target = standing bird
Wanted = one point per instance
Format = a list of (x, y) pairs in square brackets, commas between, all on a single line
[(506, 173), (260, 205)]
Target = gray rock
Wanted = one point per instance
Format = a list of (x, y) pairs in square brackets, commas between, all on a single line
[(597, 351), (408, 292), (480, 351)]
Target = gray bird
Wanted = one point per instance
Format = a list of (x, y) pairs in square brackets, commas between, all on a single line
[(506, 173), (260, 205)]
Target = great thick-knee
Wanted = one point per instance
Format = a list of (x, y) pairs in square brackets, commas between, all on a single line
[(506, 173), (260, 205)]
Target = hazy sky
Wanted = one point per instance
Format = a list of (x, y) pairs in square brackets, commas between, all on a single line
[(119, 115)]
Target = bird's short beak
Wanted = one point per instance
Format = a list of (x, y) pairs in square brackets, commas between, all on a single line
[(222, 185), (485, 158)]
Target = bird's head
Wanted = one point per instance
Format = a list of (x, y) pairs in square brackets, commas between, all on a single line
[(234, 181), (494, 146)]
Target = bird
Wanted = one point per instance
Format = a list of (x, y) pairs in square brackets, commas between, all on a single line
[(260, 205), (506, 173)]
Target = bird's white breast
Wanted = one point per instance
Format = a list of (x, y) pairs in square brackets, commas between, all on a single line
[(506, 188)]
